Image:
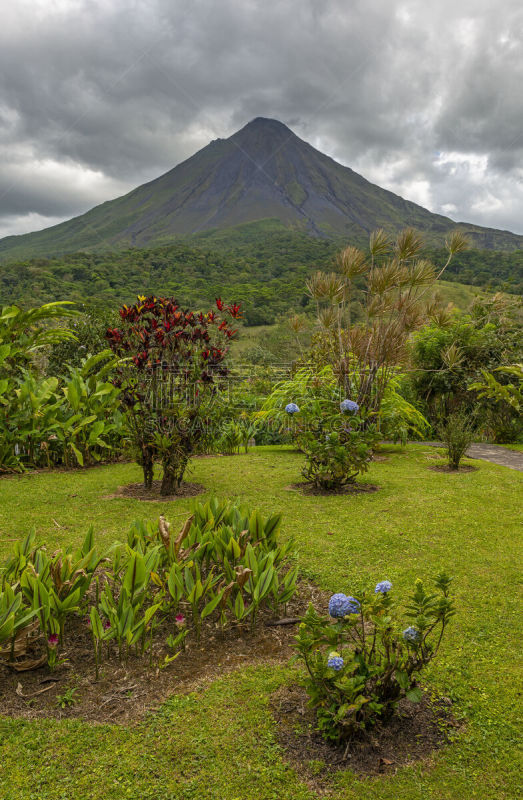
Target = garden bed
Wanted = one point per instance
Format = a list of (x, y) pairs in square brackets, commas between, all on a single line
[(446, 468), (351, 488), (136, 491), (412, 734), (127, 691)]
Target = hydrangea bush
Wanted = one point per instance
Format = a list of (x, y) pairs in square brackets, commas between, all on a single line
[(361, 660), (336, 452)]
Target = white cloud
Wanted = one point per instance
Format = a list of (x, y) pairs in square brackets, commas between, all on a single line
[(12, 225)]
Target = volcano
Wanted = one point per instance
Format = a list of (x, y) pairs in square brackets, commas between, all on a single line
[(263, 172)]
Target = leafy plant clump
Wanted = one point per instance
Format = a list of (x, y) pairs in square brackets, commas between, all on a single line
[(360, 662), (45, 421), (457, 433), (337, 449), (41, 591), (223, 566)]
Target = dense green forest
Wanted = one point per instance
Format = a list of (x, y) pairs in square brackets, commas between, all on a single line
[(485, 268), (264, 271)]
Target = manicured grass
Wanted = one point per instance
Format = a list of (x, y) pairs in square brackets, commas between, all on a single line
[(220, 742)]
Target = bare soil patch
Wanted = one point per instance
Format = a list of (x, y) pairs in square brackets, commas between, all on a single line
[(351, 488), (127, 691), (136, 492), (416, 730), (446, 468)]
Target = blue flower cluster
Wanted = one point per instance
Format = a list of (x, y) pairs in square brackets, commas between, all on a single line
[(335, 662), (340, 605), (291, 408), (383, 587), (412, 635), (349, 405)]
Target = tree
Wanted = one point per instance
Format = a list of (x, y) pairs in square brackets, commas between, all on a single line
[(451, 356), (172, 368), (387, 291)]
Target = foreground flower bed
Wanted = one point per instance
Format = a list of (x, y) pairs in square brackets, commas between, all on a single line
[(126, 691), (224, 566)]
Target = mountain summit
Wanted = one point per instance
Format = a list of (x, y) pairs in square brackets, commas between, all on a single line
[(263, 171)]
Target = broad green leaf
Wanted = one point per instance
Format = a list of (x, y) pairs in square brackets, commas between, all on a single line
[(239, 606), (135, 574), (414, 695), (96, 623), (402, 678), (78, 454), (211, 605), (263, 584)]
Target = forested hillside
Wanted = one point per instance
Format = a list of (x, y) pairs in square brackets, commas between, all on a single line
[(266, 273)]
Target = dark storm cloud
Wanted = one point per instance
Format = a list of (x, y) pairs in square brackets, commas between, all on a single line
[(97, 96)]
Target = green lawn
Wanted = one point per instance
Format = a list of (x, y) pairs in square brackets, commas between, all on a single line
[(220, 742)]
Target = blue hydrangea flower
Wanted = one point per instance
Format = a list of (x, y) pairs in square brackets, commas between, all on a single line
[(335, 662), (291, 408), (340, 605), (383, 587), (349, 405), (412, 635), (354, 605)]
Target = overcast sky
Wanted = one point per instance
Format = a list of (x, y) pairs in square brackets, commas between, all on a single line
[(98, 96)]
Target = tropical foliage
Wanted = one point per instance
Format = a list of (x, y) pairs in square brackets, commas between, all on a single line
[(452, 355), (361, 660), (318, 395), (225, 563), (172, 366), (510, 393), (389, 288), (72, 421), (45, 421)]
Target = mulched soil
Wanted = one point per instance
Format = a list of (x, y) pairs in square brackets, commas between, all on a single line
[(137, 492), (446, 468), (352, 488), (127, 691), (411, 735)]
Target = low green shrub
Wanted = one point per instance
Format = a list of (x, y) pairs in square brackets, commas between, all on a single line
[(361, 661), (49, 588), (334, 459), (457, 433)]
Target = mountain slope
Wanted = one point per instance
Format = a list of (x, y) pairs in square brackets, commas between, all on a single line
[(262, 172)]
